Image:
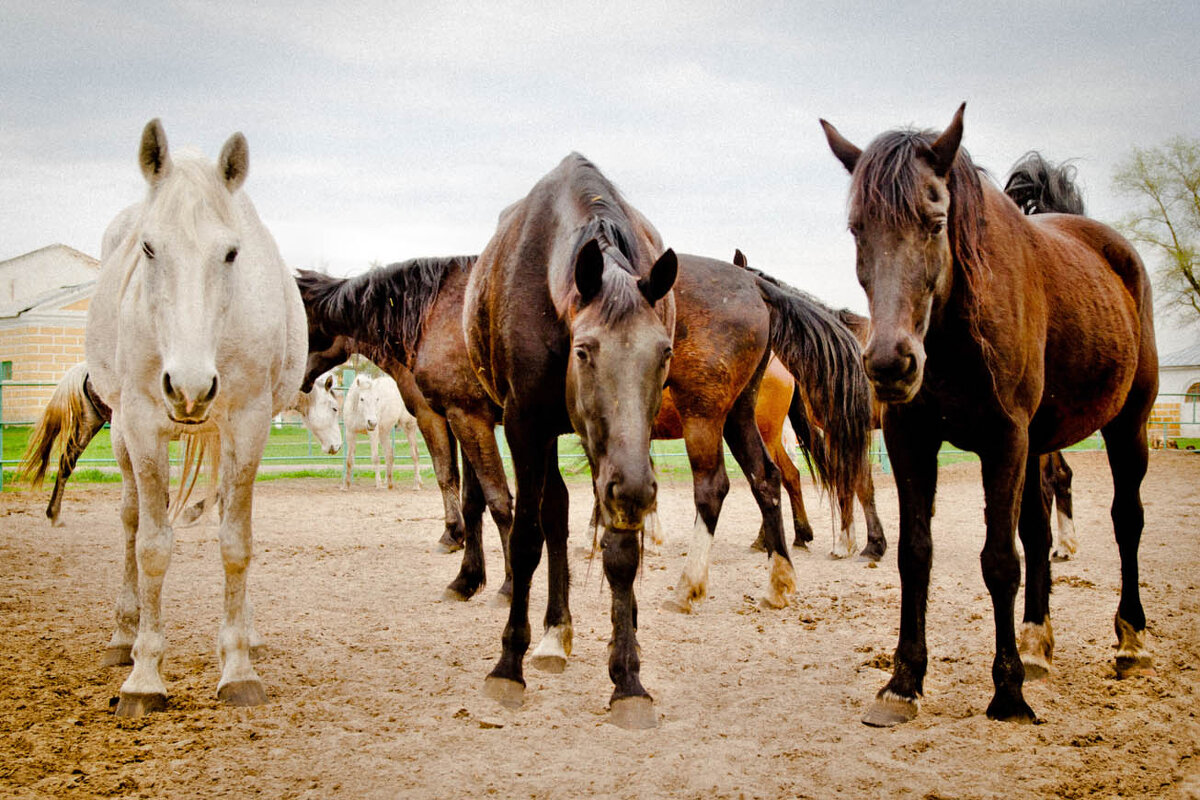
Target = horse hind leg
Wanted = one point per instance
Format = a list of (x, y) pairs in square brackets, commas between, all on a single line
[(876, 540), (1058, 472), (845, 537), (410, 433), (552, 651), (1035, 640), (710, 484), (1128, 458)]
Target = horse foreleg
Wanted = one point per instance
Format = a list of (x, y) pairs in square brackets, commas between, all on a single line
[(631, 705), (555, 646), (846, 538), (915, 462), (531, 449), (1058, 473), (239, 684), (710, 484), (410, 433), (351, 446), (472, 573), (1003, 468), (792, 485), (144, 690), (120, 647), (1036, 640)]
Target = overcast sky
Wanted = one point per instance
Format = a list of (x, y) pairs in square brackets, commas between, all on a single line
[(387, 130)]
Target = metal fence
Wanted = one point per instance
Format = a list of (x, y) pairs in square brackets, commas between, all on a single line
[(291, 447)]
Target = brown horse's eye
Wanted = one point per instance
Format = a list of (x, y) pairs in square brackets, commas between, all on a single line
[(936, 227), (581, 353)]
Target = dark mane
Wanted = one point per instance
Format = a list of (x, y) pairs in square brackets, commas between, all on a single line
[(381, 308), (609, 225), (1039, 186), (884, 187)]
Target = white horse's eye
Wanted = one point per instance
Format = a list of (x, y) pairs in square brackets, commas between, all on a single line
[(148, 250), (231, 256)]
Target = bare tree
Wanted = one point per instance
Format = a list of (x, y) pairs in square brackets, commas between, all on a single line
[(1165, 181)]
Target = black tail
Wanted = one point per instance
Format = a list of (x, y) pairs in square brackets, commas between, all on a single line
[(1039, 186), (826, 361)]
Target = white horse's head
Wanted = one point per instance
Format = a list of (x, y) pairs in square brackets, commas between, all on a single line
[(187, 238), (319, 407), (366, 402)]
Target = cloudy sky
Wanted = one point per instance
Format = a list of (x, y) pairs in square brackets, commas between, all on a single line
[(381, 131)]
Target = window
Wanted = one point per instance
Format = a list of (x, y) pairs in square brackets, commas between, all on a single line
[(1193, 392), (5, 370)]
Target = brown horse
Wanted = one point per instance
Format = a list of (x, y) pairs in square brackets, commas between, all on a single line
[(569, 319), (808, 424), (728, 322), (1009, 336), (409, 316)]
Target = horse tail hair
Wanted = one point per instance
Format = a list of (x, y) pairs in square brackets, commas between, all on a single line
[(1039, 186), (67, 424), (826, 361), (195, 448)]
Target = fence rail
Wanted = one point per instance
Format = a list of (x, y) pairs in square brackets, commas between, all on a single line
[(291, 447)]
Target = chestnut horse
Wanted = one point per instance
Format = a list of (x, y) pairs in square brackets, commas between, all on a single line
[(1009, 336), (569, 319)]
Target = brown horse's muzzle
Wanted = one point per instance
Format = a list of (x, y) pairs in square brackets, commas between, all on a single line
[(895, 367)]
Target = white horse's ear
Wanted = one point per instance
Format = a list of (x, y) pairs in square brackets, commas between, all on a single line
[(153, 157), (329, 383), (234, 162)]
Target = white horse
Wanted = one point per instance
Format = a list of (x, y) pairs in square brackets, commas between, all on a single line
[(374, 407), (196, 328), (319, 409)]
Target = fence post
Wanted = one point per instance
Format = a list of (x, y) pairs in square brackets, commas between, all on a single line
[(2, 382)]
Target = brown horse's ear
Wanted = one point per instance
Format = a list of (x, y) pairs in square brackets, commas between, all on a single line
[(661, 278), (234, 162), (739, 259), (153, 157), (945, 148), (589, 271), (846, 152)]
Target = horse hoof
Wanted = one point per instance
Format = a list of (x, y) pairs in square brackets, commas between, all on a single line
[(138, 705), (117, 656), (502, 600), (1036, 669), (507, 693), (870, 554), (1060, 557), (449, 546), (1136, 666), (554, 664), (1012, 709), (676, 606), (633, 713), (758, 546), (890, 709), (257, 651), (461, 590), (242, 693)]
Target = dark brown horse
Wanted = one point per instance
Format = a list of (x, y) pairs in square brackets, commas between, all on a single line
[(409, 315), (569, 319), (1009, 336)]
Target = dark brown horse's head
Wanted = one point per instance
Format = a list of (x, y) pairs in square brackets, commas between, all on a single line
[(621, 333), (902, 216), (324, 353)]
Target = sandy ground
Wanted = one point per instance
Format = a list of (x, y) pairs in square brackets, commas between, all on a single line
[(375, 682)]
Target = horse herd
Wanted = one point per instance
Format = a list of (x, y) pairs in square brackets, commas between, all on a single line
[(1005, 333)]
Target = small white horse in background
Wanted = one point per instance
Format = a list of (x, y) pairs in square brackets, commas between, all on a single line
[(374, 407), (319, 407), (196, 328)]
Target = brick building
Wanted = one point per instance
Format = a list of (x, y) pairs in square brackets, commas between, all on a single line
[(44, 298)]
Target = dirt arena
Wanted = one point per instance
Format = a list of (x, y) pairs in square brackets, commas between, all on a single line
[(374, 680)]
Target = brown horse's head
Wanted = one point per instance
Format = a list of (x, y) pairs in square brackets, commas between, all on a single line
[(621, 332), (903, 200)]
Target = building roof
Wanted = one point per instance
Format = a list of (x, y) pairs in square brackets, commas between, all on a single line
[(43, 278), (1186, 357)]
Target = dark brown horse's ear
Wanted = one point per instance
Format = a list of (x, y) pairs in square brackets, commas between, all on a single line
[(739, 259), (945, 148), (846, 152), (589, 271), (661, 278)]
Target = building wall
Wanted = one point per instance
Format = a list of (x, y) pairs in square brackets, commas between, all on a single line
[(38, 353)]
